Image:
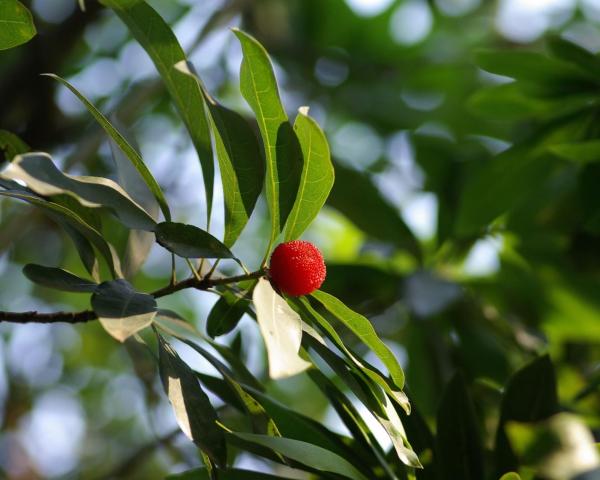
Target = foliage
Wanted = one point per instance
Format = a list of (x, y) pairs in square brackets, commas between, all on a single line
[(492, 362)]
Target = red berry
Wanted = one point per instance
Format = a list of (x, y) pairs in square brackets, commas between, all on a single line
[(297, 268)]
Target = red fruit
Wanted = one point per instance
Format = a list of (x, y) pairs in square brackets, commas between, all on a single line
[(297, 268)]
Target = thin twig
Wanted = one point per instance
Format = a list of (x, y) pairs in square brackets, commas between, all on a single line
[(88, 315)]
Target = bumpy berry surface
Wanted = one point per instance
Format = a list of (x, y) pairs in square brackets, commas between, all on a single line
[(297, 268)]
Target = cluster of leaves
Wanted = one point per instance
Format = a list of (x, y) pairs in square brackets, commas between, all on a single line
[(538, 194), (298, 177)]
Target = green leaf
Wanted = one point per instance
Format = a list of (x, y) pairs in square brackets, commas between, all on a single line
[(63, 214), (529, 67), (226, 314), (84, 248), (172, 324), (317, 175), (358, 364), (11, 145), (121, 310), (40, 174), (510, 476), (305, 453), (281, 329), (58, 278), (124, 145), (282, 151), (459, 452), (240, 161), (157, 38), (16, 24), (374, 400), (261, 421), (230, 474), (530, 396), (364, 330), (572, 53), (299, 427), (360, 201), (581, 153), (194, 413), (189, 241)]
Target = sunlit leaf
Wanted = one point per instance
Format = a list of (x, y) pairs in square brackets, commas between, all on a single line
[(133, 156), (240, 161), (364, 330), (317, 175), (63, 214), (281, 329), (174, 325), (194, 413), (282, 151), (121, 310), (40, 174), (58, 278), (16, 24), (159, 41), (397, 395)]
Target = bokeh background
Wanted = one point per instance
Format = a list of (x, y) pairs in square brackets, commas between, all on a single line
[(392, 83)]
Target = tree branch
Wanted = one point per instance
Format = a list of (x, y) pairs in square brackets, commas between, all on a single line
[(88, 315)]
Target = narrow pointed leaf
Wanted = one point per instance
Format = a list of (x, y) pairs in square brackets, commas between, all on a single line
[(121, 310), (281, 329), (364, 330), (317, 175), (84, 248), (194, 413), (58, 279), (282, 151), (16, 24), (160, 43), (124, 145), (189, 241), (41, 175), (374, 399), (230, 474), (226, 314), (397, 395), (172, 324), (305, 453), (575, 54), (261, 421), (73, 220), (240, 161)]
